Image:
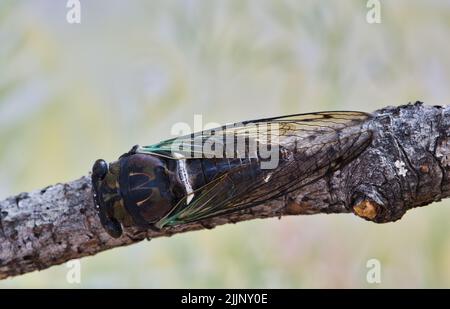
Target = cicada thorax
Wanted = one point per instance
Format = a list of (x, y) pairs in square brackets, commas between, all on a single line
[(149, 189)]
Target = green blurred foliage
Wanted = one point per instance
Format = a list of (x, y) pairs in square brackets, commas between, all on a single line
[(72, 93)]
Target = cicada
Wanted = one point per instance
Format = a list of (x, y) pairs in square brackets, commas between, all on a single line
[(215, 172)]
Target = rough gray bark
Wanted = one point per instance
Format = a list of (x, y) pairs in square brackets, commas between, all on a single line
[(406, 166)]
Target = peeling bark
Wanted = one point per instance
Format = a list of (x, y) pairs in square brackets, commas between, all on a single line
[(407, 165)]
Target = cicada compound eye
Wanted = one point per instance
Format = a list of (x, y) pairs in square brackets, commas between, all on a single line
[(99, 169)]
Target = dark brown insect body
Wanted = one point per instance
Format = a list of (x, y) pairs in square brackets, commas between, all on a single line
[(165, 184), (139, 189)]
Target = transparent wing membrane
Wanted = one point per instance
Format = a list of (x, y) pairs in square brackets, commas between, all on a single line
[(307, 146)]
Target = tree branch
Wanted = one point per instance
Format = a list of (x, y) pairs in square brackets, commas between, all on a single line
[(406, 166)]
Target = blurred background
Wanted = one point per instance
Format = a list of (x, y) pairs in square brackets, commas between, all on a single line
[(73, 93)]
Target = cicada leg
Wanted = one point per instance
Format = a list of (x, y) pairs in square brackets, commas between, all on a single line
[(131, 152), (111, 225)]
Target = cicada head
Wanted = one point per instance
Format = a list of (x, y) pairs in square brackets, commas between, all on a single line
[(137, 190), (105, 185)]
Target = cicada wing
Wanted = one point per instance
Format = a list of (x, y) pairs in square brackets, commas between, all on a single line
[(309, 146), (209, 200), (298, 128)]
